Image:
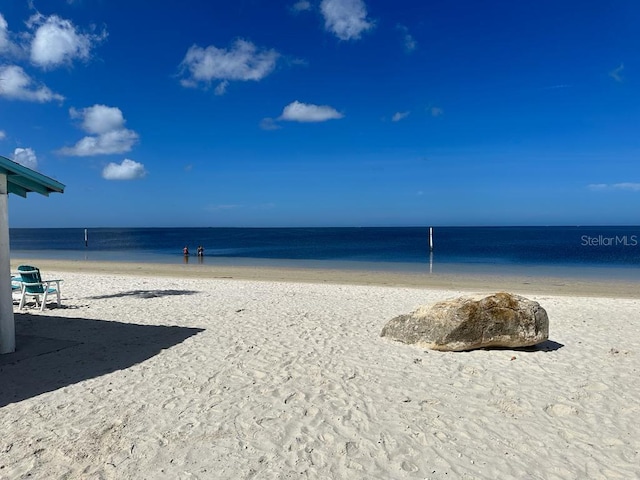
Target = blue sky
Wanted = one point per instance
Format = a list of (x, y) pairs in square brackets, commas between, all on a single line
[(323, 112)]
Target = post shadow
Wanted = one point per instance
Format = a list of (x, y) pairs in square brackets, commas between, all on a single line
[(54, 352)]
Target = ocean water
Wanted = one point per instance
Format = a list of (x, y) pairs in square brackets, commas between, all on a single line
[(579, 251)]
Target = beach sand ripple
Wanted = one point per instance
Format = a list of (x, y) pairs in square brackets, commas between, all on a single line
[(192, 378)]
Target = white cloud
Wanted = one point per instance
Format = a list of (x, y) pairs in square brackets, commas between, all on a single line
[(15, 84), (556, 87), (4, 34), (303, 112), (108, 134), (410, 43), (347, 19), (242, 62), (26, 157), (221, 89), (3, 135), (436, 111), (217, 208), (7, 46), (399, 116), (127, 170), (119, 141), (616, 74), (266, 206), (269, 124), (627, 186), (57, 41), (99, 119), (635, 187), (301, 6)]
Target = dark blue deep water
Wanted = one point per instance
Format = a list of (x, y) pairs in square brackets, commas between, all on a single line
[(407, 248)]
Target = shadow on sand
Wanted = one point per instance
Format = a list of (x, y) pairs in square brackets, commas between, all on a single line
[(54, 352), (146, 294), (546, 346)]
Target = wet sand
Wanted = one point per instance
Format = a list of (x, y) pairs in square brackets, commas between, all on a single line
[(522, 284)]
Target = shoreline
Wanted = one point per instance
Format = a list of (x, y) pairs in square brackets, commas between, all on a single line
[(480, 282)]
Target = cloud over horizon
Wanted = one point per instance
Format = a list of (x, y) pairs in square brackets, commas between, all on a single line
[(634, 187), (107, 132), (242, 62)]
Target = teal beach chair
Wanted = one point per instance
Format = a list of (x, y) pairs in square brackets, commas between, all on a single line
[(16, 287), (33, 286)]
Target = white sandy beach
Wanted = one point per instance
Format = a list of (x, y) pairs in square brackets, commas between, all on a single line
[(144, 375)]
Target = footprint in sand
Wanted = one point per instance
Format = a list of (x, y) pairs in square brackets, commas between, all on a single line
[(409, 467), (560, 410), (596, 387), (326, 438)]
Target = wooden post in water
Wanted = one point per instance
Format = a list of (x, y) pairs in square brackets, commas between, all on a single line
[(430, 249)]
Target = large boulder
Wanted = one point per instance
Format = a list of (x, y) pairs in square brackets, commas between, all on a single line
[(467, 323)]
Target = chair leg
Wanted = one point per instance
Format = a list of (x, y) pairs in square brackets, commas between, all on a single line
[(44, 300)]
